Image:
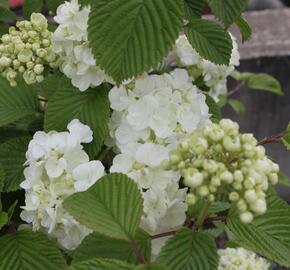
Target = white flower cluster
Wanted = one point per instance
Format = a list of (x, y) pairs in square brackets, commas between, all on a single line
[(27, 50), (70, 42), (150, 115), (214, 76), (222, 159), (57, 167), (241, 259)]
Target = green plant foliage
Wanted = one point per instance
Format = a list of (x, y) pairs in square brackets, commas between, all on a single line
[(4, 3), (16, 102), (6, 14), (99, 246), (27, 250), (12, 158), (237, 105), (227, 10), (284, 179), (244, 28), (269, 234), (210, 40), (102, 264), (3, 219), (286, 138), (259, 81), (189, 250), (4, 28), (31, 6), (90, 107), (113, 207), (193, 8), (150, 267), (214, 109), (129, 37), (217, 207)]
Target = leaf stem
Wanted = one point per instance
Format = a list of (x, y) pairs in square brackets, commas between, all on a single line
[(273, 138), (163, 235), (237, 88), (138, 252), (202, 216)]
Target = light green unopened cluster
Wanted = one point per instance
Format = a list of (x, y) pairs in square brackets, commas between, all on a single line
[(27, 49), (221, 160)]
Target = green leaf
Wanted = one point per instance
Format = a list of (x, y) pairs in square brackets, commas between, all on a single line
[(7, 133), (3, 219), (217, 207), (6, 14), (188, 250), (102, 264), (237, 105), (99, 246), (193, 8), (4, 28), (90, 107), (12, 158), (2, 179), (31, 6), (210, 40), (227, 10), (284, 179), (52, 5), (269, 234), (25, 250), (150, 267), (113, 207), (286, 138), (16, 102), (265, 82), (214, 109), (4, 3), (244, 28), (129, 37)]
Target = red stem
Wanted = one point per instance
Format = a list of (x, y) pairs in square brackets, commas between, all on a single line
[(237, 88), (163, 234), (271, 139), (138, 253)]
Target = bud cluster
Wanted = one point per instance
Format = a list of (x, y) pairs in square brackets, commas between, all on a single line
[(221, 160), (27, 49)]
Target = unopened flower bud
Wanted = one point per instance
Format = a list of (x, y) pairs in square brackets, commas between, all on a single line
[(24, 56), (191, 199), (246, 217), (227, 177)]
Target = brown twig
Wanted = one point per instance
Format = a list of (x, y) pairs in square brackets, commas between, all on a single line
[(218, 218), (272, 139), (138, 253), (163, 235), (237, 88)]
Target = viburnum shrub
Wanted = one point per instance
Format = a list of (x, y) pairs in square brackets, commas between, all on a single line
[(113, 150)]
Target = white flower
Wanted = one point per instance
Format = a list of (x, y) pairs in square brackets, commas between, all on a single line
[(241, 259), (57, 167), (70, 42), (214, 76)]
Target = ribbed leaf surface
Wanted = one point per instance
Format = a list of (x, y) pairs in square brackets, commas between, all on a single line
[(129, 37), (98, 246), (26, 250), (193, 8), (12, 158), (188, 250), (101, 264), (227, 10), (16, 102), (244, 27), (113, 207), (269, 234), (3, 219), (210, 40), (90, 107)]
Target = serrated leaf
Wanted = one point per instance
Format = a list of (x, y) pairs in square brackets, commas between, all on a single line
[(12, 158), (3, 219), (8, 132), (193, 8), (25, 250), (102, 264), (269, 234), (210, 40), (52, 5), (16, 102), (90, 107), (99, 246), (31, 6), (227, 10), (237, 105), (129, 37), (189, 250), (244, 27), (217, 207), (112, 206), (214, 109)]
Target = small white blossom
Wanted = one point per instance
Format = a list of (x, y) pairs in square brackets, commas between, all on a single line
[(57, 167), (70, 42), (241, 259)]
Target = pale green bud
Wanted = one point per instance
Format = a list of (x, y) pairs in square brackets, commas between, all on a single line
[(21, 69), (211, 198), (200, 146), (237, 186), (217, 134), (259, 206), (38, 21), (273, 177), (35, 46), (215, 181), (25, 56), (6, 38), (227, 177), (5, 61), (193, 178), (242, 206), (230, 127), (191, 199), (234, 196), (203, 191), (38, 69), (39, 78), (46, 43), (27, 25), (28, 46), (30, 65), (238, 176), (260, 152), (29, 76), (210, 166), (275, 167), (246, 217), (212, 189), (32, 34), (249, 183), (250, 196), (232, 144), (16, 64), (41, 53)]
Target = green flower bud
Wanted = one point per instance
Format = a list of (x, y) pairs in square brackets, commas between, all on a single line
[(6, 39), (191, 199), (38, 21), (203, 191), (25, 56), (246, 217), (227, 177), (242, 206), (259, 206), (273, 177), (41, 53), (38, 69), (238, 176), (29, 76), (200, 146), (232, 144), (46, 43), (5, 61), (39, 78), (234, 196), (193, 178)]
